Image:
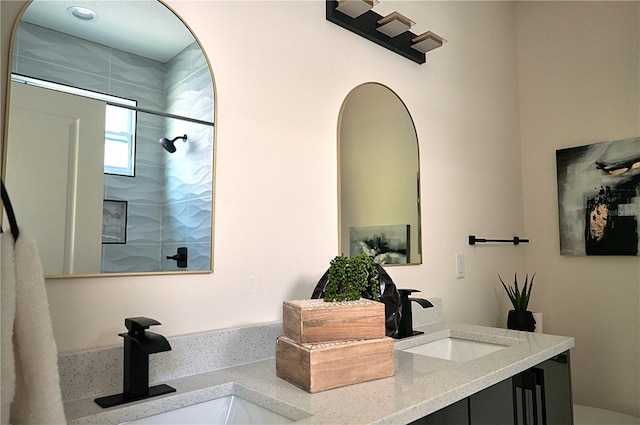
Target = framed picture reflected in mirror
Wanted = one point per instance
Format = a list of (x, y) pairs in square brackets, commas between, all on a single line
[(114, 222), (385, 244)]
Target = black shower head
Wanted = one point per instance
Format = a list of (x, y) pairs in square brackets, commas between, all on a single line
[(169, 144)]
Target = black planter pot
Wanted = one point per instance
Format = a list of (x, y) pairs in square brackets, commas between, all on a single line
[(521, 321)]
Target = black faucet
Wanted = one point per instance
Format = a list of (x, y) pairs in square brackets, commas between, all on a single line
[(405, 329), (138, 344)]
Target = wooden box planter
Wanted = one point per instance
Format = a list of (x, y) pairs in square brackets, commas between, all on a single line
[(319, 367), (315, 321)]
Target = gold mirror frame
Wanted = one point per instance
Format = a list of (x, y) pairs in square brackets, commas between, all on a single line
[(378, 181)]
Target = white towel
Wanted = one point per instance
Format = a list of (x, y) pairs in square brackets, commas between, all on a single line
[(8, 314), (37, 398)]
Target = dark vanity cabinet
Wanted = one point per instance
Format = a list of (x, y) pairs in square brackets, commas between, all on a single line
[(456, 413), (540, 395)]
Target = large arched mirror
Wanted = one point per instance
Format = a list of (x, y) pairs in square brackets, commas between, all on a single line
[(379, 177), (109, 153)]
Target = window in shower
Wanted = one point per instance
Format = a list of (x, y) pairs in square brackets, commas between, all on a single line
[(119, 141), (120, 125)]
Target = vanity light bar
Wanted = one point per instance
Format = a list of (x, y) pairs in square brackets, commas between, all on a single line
[(391, 31), (394, 24)]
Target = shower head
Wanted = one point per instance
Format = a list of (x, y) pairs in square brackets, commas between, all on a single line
[(169, 144)]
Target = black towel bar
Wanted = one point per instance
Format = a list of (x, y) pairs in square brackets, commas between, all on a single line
[(516, 240)]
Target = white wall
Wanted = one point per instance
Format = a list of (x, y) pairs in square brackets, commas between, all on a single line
[(579, 77), (282, 71)]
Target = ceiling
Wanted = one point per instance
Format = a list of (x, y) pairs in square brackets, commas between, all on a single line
[(143, 27)]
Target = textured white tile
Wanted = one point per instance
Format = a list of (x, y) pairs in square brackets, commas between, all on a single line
[(56, 48), (199, 256), (199, 223), (61, 74), (144, 224), (136, 70), (121, 258), (147, 97)]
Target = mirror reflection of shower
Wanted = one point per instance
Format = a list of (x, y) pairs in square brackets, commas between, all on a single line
[(169, 145), (163, 192)]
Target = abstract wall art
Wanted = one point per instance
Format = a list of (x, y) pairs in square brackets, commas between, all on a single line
[(599, 198), (385, 244)]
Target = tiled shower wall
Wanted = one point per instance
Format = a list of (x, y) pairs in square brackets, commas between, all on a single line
[(60, 58), (186, 218)]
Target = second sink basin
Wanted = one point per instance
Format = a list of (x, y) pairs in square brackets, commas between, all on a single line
[(455, 349)]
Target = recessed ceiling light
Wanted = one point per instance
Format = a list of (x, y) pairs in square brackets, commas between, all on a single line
[(82, 13)]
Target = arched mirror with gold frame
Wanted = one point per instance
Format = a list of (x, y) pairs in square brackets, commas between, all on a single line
[(102, 177), (379, 177)]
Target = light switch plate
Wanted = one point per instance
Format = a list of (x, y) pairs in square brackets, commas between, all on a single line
[(459, 266)]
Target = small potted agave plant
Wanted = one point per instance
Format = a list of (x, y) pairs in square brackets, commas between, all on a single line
[(520, 318)]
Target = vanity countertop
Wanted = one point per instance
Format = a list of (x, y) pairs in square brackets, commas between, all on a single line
[(421, 385)]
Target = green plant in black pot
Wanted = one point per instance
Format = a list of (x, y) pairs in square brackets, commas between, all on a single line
[(520, 318), (350, 278)]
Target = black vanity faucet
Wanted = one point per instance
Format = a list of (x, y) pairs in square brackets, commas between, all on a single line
[(405, 329), (138, 344)]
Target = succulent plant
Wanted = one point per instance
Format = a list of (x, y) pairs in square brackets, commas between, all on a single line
[(520, 300), (350, 278)]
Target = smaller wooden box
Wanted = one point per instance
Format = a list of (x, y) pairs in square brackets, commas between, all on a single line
[(312, 321), (319, 367)]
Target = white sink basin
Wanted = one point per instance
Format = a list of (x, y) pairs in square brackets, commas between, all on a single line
[(225, 410), (455, 349)]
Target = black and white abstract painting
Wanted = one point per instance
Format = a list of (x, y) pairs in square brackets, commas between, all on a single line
[(385, 244), (599, 198)]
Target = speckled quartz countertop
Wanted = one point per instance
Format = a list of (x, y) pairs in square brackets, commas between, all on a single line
[(421, 385)]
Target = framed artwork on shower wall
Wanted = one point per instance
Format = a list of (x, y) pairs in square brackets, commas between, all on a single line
[(385, 244), (599, 198), (114, 222)]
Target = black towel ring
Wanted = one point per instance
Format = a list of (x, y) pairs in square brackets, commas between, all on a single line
[(10, 214)]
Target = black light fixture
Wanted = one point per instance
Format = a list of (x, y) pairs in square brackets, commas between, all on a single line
[(391, 31), (169, 145)]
